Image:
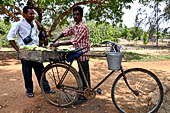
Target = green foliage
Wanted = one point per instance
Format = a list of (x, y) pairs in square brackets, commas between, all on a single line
[(102, 32), (158, 15), (53, 14), (145, 38), (125, 33), (98, 33), (130, 56), (10, 5), (51, 10), (136, 32), (113, 33), (136, 40), (98, 11), (4, 29), (58, 31)]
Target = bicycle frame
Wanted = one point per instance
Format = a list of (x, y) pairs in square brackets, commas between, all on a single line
[(101, 82), (106, 77), (69, 88)]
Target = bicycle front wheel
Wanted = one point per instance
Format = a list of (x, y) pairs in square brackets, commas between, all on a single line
[(65, 81), (149, 90)]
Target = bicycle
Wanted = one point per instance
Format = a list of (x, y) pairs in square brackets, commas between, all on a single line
[(132, 91)]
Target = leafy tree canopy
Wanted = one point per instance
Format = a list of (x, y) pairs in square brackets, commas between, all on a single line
[(56, 12)]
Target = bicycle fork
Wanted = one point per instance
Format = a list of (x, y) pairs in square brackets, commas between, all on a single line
[(136, 92)]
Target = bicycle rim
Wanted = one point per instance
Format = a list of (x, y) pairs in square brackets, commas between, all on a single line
[(66, 92), (146, 83)]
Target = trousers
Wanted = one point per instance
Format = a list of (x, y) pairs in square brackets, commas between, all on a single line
[(27, 74), (85, 66)]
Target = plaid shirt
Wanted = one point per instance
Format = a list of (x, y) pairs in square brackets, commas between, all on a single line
[(81, 37)]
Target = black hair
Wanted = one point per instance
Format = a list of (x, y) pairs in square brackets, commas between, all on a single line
[(25, 9), (80, 9)]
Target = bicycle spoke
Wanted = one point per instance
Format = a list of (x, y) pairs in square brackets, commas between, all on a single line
[(67, 84), (147, 87), (63, 77), (58, 74), (68, 96), (52, 78)]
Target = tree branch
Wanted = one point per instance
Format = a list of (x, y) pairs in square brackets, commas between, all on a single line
[(19, 11), (4, 10), (57, 20)]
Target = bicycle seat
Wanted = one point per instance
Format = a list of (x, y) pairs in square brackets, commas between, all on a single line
[(76, 50), (74, 54)]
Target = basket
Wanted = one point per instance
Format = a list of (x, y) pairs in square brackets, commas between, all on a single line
[(114, 60)]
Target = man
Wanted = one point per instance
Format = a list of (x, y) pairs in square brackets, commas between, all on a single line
[(24, 28), (81, 39)]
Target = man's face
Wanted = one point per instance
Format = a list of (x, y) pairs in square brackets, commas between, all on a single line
[(29, 15), (77, 16)]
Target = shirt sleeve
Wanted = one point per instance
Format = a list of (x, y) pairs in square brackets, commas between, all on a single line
[(13, 31), (68, 32)]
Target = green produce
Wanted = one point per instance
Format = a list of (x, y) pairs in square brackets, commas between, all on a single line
[(34, 47)]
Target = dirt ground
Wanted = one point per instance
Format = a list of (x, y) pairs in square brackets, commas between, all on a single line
[(12, 91)]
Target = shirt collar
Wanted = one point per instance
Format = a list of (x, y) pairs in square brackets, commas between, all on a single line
[(24, 20), (81, 22)]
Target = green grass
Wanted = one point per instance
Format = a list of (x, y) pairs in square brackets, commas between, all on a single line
[(130, 56)]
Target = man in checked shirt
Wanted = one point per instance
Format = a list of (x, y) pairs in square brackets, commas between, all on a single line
[(81, 39)]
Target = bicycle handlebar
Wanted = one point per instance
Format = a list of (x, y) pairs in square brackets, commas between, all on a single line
[(104, 42), (108, 42), (114, 47)]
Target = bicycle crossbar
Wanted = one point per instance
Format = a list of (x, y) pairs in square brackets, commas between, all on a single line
[(95, 55)]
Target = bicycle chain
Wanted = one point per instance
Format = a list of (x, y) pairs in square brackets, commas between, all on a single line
[(89, 94)]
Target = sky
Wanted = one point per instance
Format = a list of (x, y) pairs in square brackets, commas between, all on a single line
[(129, 16)]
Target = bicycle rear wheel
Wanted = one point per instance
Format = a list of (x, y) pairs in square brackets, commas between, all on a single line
[(64, 82), (145, 83)]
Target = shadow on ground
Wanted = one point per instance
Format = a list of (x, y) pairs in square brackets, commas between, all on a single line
[(7, 57), (96, 105)]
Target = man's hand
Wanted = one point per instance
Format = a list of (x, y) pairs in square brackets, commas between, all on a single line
[(13, 44), (55, 39), (50, 44)]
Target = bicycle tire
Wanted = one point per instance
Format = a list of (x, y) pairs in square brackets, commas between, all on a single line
[(150, 92), (66, 93)]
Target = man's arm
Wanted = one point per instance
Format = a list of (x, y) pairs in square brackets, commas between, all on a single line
[(60, 36), (67, 32), (13, 44), (11, 35), (63, 43)]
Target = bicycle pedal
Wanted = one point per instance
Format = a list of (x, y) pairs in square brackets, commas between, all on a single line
[(99, 91)]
